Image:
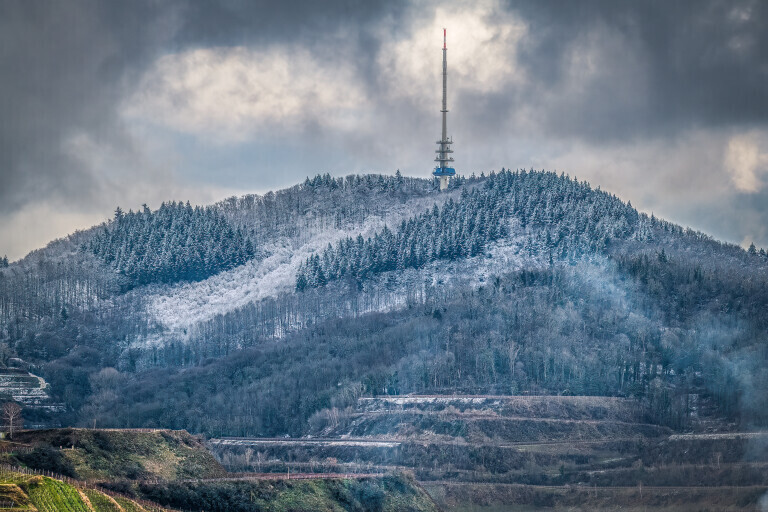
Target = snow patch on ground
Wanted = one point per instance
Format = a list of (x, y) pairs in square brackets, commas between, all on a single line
[(177, 307)]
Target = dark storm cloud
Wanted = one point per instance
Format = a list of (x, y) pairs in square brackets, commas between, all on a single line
[(62, 66), (233, 22), (66, 66), (701, 63), (329, 28), (603, 72)]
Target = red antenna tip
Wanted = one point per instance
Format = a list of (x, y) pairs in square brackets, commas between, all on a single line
[(444, 37)]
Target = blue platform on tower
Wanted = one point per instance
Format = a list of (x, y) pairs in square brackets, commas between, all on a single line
[(444, 171)]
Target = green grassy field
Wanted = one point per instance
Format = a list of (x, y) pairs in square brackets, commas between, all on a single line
[(43, 494), (88, 454)]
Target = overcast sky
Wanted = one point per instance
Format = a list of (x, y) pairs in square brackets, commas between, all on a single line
[(664, 103)]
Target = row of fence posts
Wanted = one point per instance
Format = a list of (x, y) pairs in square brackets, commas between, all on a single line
[(283, 476), (16, 449)]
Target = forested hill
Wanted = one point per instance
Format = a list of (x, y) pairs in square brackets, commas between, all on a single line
[(279, 307)]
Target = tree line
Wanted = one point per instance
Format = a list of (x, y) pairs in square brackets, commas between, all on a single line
[(176, 242), (560, 216)]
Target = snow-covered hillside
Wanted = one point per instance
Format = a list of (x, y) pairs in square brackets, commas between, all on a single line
[(180, 306), (518, 282), (310, 220)]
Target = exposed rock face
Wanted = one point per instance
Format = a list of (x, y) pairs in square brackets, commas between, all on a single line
[(27, 389)]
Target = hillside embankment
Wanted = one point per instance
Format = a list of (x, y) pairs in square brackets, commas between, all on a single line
[(24, 490), (489, 453), (112, 454), (155, 470)]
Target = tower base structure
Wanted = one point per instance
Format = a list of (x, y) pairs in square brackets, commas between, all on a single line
[(444, 174)]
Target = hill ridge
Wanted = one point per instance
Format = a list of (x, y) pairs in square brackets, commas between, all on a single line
[(522, 282)]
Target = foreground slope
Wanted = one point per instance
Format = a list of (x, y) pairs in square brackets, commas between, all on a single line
[(88, 454), (130, 470), (19, 491)]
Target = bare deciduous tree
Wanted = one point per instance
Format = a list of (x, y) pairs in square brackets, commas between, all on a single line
[(12, 417), (260, 458), (248, 456)]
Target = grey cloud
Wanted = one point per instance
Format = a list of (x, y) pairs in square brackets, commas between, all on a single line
[(243, 22), (67, 66), (737, 218), (703, 63), (661, 68), (63, 67)]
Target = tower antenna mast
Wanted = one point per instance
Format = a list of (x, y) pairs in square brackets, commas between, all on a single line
[(443, 172)]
